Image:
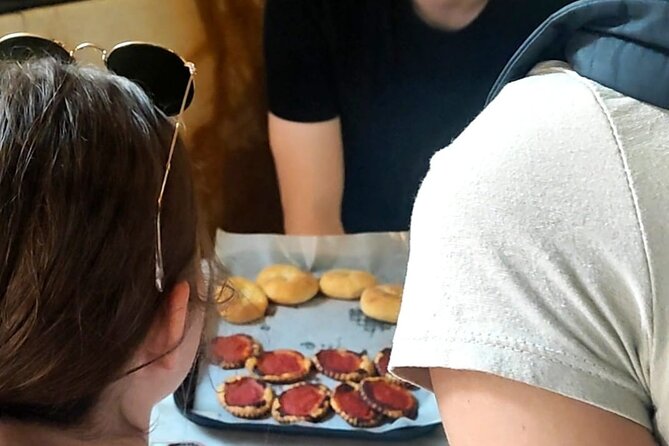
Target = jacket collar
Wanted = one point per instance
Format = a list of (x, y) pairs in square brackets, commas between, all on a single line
[(621, 44)]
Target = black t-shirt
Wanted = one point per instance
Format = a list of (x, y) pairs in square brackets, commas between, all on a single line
[(402, 89)]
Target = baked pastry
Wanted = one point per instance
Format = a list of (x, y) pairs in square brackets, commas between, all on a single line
[(346, 283), (382, 302), (280, 366), (247, 304), (389, 398), (381, 361), (287, 284), (302, 402), (231, 352), (343, 365), (348, 403), (246, 397)]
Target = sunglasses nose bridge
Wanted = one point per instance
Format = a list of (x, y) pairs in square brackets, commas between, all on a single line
[(91, 45)]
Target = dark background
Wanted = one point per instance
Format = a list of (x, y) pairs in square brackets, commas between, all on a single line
[(17, 5)]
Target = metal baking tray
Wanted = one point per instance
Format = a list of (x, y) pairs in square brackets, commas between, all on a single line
[(320, 323)]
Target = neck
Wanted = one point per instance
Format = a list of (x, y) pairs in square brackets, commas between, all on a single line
[(452, 15), (14, 433)]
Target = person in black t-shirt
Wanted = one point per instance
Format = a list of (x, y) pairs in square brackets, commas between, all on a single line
[(363, 92)]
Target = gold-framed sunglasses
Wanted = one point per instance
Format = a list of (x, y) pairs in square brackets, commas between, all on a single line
[(165, 77)]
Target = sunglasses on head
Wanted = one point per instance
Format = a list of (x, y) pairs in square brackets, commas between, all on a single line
[(164, 76)]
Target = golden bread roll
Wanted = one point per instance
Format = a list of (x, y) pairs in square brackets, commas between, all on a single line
[(287, 284), (346, 283), (247, 304), (382, 302)]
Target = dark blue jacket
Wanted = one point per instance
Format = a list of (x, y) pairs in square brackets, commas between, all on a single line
[(621, 44)]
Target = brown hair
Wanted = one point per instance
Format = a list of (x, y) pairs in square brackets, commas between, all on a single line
[(82, 154)]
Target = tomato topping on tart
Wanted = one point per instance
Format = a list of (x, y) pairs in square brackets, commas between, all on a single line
[(343, 365), (348, 403), (280, 366), (231, 352), (302, 402), (388, 397), (246, 397)]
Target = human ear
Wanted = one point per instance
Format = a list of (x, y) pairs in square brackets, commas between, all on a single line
[(169, 328)]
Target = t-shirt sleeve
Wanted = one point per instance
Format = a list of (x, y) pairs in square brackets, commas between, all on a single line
[(299, 64), (526, 259)]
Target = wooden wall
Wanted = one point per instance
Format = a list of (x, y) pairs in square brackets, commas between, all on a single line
[(226, 125)]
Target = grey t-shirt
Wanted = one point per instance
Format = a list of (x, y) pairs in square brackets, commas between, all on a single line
[(540, 249)]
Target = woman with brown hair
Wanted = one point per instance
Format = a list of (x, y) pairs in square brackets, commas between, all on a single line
[(88, 341)]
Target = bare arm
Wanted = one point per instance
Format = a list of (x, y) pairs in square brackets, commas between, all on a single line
[(309, 164), (479, 410)]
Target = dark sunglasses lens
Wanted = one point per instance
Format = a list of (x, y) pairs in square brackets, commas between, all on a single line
[(29, 47), (161, 73)]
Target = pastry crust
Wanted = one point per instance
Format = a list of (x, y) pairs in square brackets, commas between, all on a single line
[(381, 363), (252, 411), (343, 365), (248, 302), (394, 401), (287, 284), (280, 366), (232, 352), (348, 403), (382, 302), (346, 283), (317, 399)]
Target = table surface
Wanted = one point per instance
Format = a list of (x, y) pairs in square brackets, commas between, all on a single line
[(168, 426)]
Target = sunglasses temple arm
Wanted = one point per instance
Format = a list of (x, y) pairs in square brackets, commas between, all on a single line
[(160, 270)]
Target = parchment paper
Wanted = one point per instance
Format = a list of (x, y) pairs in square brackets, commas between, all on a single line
[(320, 323)]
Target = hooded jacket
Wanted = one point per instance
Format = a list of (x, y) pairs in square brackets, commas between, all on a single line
[(621, 44)]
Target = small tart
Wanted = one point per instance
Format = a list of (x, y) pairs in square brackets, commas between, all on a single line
[(302, 402), (231, 352), (343, 365), (246, 397), (348, 403), (381, 361), (280, 366), (388, 397)]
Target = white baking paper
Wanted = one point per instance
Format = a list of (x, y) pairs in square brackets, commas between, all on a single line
[(320, 323)]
